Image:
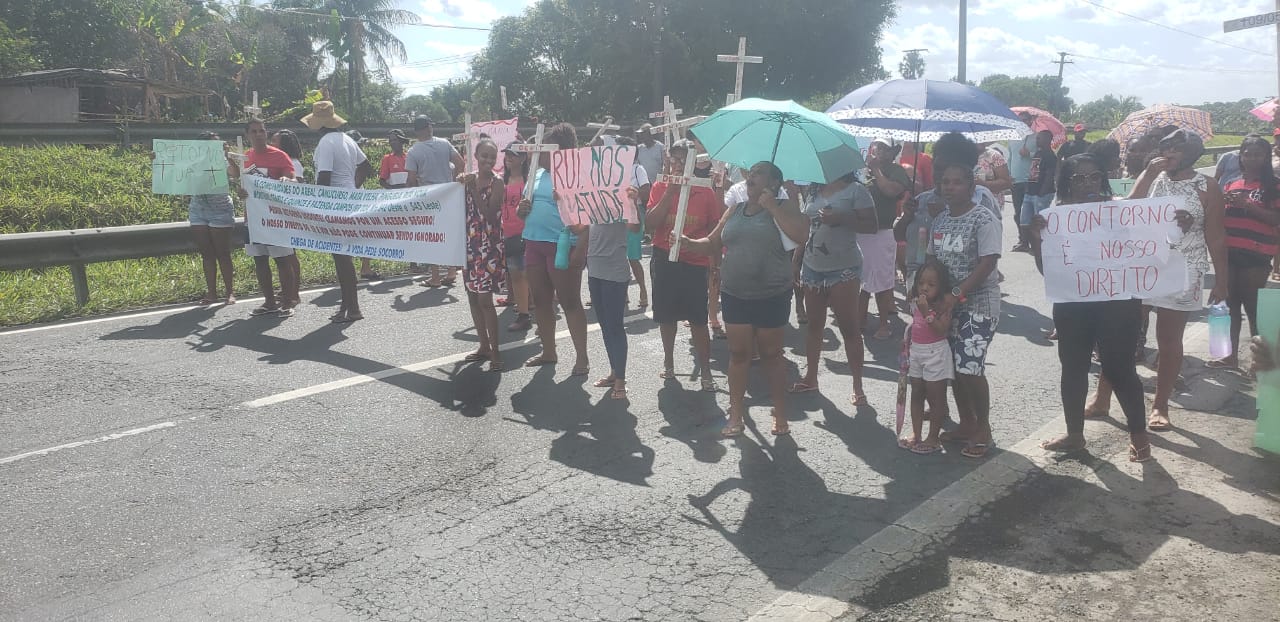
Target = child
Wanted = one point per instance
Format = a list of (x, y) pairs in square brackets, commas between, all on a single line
[(931, 364)]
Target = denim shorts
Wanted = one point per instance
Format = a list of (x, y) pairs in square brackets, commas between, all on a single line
[(824, 279), (211, 210), (1033, 204)]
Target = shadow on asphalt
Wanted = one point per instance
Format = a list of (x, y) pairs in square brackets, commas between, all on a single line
[(172, 326)]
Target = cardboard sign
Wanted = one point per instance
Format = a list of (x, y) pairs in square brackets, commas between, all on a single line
[(188, 167), (1113, 251), (592, 183), (423, 224), (500, 132)]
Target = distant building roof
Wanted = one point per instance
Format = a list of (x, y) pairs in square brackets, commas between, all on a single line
[(74, 77)]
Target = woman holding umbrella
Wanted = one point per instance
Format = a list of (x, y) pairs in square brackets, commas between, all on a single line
[(756, 285)]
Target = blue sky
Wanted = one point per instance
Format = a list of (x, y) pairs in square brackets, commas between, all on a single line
[(1016, 37)]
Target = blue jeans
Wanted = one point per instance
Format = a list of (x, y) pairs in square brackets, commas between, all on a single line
[(1033, 204), (609, 300)]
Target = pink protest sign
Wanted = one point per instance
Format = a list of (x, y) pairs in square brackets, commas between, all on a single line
[(592, 183), (500, 132)]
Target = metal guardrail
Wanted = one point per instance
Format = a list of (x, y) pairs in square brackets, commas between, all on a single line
[(142, 133), (78, 247)]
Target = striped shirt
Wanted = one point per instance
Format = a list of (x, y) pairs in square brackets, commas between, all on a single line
[(1248, 237)]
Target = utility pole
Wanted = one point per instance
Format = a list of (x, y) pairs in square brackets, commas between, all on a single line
[(1062, 63), (964, 39)]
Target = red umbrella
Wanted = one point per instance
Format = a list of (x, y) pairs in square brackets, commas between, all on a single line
[(1043, 120)]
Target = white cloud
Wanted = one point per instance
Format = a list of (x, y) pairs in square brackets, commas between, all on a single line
[(465, 11)]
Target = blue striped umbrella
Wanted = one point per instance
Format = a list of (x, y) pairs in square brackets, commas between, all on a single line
[(925, 110)]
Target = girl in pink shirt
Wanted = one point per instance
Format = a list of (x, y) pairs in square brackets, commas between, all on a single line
[(931, 364)]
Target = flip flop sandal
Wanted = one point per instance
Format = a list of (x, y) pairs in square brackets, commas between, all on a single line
[(802, 387), (618, 394), (1139, 454), (264, 310), (204, 302), (906, 443), (1221, 364), (347, 319), (1159, 424), (496, 366), (776, 431), (474, 357), (603, 382), (860, 399), (925, 449), (337, 317), (976, 450), (372, 276), (732, 431), (287, 312), (668, 374), (709, 384), (1061, 448), (539, 361), (580, 371)]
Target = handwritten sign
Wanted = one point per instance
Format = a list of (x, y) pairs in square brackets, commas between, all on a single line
[(188, 167), (423, 224), (500, 132), (592, 183), (1121, 187), (1113, 251)]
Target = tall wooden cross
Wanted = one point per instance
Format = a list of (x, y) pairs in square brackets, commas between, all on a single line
[(253, 110), (667, 114), (674, 129), (601, 128), (739, 59), (536, 147), (467, 137), (502, 92), (686, 182)]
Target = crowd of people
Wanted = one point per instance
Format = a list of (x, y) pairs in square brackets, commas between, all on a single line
[(753, 243)]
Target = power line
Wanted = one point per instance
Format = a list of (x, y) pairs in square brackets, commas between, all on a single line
[(1174, 67), (346, 17), (1171, 28), (443, 60)]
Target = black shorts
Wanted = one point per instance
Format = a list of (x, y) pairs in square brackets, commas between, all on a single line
[(679, 290), (514, 249), (774, 312)]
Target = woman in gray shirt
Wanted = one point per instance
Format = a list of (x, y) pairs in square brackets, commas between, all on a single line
[(830, 273), (756, 285)]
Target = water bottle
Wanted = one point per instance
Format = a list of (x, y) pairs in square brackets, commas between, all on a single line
[(1219, 331), (922, 243), (562, 250)]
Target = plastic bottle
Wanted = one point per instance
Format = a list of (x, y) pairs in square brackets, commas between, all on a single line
[(562, 250), (1219, 331), (922, 243)]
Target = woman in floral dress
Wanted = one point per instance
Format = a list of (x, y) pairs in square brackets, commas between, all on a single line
[(486, 265)]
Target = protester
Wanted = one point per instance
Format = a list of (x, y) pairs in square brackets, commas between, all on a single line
[(339, 163), (831, 265), (918, 165), (735, 195), (1107, 152), (264, 160), (931, 364), (1041, 179), (887, 183), (1077, 145), (635, 232), (967, 241), (547, 283), (680, 283), (756, 287), (650, 154), (486, 263), (1252, 215), (608, 274), (992, 171), (1203, 240), (433, 160), (515, 171), (1112, 326), (391, 174), (213, 219), (1020, 154), (287, 141)]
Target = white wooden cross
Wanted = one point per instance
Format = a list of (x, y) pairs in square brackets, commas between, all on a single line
[(254, 110), (686, 183), (739, 59), (674, 129), (466, 137), (502, 92), (668, 114), (601, 128), (239, 155), (536, 147)]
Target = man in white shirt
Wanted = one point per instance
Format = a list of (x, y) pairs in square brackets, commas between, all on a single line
[(340, 163), (649, 152)]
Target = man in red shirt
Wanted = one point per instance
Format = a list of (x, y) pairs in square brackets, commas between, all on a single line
[(267, 161), (392, 174), (679, 287), (921, 164)]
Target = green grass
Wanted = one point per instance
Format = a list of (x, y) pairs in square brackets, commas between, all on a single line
[(76, 187)]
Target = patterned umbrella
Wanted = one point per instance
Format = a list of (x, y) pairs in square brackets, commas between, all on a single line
[(925, 110), (1044, 120), (1140, 122)]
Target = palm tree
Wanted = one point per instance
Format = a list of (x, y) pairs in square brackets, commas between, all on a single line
[(353, 32)]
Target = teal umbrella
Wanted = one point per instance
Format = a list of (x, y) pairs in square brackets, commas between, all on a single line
[(806, 145)]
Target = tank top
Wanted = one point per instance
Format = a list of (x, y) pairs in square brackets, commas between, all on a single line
[(921, 332), (755, 265)]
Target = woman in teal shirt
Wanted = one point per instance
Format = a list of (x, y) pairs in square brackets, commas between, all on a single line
[(542, 229)]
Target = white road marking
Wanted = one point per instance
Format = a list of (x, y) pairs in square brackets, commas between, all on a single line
[(100, 439)]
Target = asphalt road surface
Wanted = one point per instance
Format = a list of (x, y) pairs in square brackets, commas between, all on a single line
[(203, 464)]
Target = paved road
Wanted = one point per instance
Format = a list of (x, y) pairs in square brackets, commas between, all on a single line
[(437, 490)]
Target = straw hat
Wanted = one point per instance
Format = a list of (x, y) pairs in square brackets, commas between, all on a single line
[(322, 115)]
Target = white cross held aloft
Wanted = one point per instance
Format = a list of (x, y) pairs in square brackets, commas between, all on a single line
[(467, 138), (739, 59), (502, 93), (536, 147), (667, 115), (253, 111), (672, 129), (601, 128), (686, 182)]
